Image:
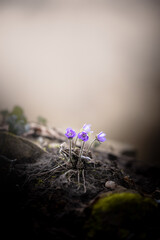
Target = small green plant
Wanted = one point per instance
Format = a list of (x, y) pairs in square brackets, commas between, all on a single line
[(16, 120), (4, 114)]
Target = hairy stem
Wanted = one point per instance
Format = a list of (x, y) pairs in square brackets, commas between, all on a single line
[(78, 174), (75, 142), (70, 150), (82, 147), (84, 181), (91, 144)]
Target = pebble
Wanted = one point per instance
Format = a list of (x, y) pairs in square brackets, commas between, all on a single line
[(110, 184)]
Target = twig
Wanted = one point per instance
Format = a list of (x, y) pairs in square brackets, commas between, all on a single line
[(45, 172), (78, 174), (60, 165), (67, 172), (84, 181)]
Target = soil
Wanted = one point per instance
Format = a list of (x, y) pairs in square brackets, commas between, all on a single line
[(48, 198)]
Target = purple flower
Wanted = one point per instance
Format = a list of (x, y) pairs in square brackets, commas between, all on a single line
[(87, 128), (70, 133), (101, 137), (83, 136)]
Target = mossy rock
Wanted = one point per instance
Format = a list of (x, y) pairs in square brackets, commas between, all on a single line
[(122, 216), (15, 147)]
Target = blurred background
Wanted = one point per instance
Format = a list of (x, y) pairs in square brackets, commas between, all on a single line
[(85, 61)]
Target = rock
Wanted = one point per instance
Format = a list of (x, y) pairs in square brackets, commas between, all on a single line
[(21, 149), (111, 185), (122, 215)]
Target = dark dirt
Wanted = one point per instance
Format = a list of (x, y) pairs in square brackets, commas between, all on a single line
[(39, 201)]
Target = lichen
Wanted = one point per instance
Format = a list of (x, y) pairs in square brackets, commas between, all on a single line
[(119, 215)]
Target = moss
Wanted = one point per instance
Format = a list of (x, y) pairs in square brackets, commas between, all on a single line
[(119, 215), (114, 201)]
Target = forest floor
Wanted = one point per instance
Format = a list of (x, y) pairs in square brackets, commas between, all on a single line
[(43, 196)]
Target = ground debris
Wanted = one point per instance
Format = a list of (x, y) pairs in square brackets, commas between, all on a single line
[(50, 196)]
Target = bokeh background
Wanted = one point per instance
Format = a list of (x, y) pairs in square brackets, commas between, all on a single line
[(85, 61)]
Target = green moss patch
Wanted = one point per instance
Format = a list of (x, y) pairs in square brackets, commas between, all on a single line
[(121, 215)]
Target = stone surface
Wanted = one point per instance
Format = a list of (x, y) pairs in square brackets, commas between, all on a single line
[(110, 184), (21, 149)]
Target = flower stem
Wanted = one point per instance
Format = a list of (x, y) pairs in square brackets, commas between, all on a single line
[(91, 144), (70, 150), (80, 155), (75, 142)]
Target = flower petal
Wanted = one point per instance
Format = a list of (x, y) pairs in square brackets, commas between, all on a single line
[(102, 134), (101, 137), (83, 136)]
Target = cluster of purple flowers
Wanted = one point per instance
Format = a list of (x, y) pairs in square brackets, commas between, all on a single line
[(84, 134)]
